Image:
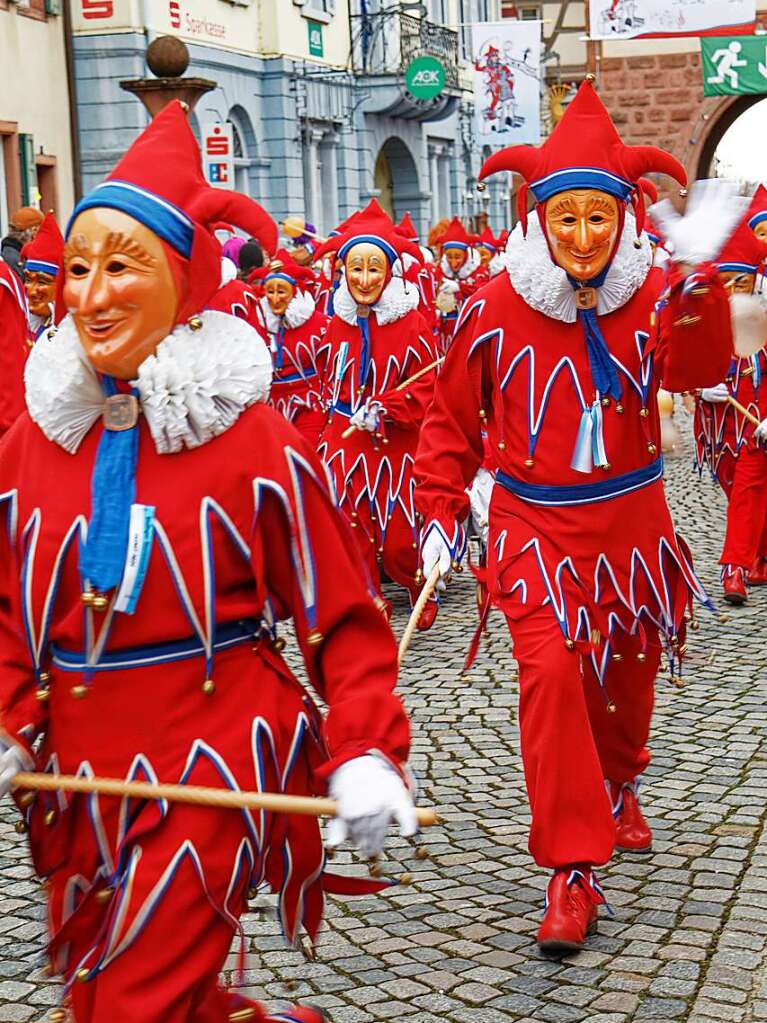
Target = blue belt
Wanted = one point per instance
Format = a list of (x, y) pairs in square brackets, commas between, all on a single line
[(305, 375), (582, 493), (344, 408), (225, 636)]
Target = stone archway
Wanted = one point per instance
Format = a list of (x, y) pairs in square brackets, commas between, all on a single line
[(724, 114), (396, 178)]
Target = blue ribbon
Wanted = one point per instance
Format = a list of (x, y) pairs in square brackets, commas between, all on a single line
[(603, 372), (113, 491), (280, 340), (331, 297), (364, 325)]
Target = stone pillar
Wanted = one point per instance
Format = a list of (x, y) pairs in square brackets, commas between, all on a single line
[(313, 199), (434, 182)]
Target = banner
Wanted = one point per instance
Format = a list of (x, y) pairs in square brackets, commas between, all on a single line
[(507, 88), (628, 19), (732, 67)]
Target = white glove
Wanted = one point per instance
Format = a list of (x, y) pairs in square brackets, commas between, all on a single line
[(760, 433), (370, 794), (435, 551), (12, 760), (451, 287), (479, 500), (717, 394), (714, 209), (368, 416)]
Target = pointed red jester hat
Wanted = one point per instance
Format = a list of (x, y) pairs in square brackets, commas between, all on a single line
[(487, 240), (757, 211), (45, 253), (585, 133), (743, 252), (406, 228), (284, 267), (456, 236), (371, 225), (160, 183)]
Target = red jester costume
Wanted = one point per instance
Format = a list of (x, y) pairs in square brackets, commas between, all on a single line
[(13, 346), (378, 341), (458, 276), (42, 265), (146, 560), (562, 371), (296, 333), (726, 440)]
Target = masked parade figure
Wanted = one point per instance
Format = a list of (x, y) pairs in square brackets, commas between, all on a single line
[(42, 258), (378, 341), (559, 360), (159, 520), (296, 331), (459, 274), (489, 249), (726, 440)]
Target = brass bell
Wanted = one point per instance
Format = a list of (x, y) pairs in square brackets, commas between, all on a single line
[(104, 895), (375, 870), (100, 602), (44, 677), (20, 827), (422, 853), (50, 818), (79, 692), (644, 413), (606, 466), (42, 695), (194, 323), (617, 657), (641, 656), (651, 448), (619, 408), (611, 708), (569, 644), (83, 975), (209, 687), (279, 644), (242, 1014), (87, 598), (501, 445), (252, 893), (58, 1016), (27, 798), (314, 638), (605, 402), (406, 880), (529, 463)]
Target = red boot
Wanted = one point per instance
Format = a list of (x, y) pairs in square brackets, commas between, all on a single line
[(757, 575), (734, 580), (633, 833), (571, 910), (428, 616)]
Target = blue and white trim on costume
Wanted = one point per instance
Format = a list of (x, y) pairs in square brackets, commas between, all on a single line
[(744, 268), (372, 239), (581, 177), (39, 266)]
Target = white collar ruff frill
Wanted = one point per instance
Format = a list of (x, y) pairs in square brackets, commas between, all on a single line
[(299, 311), (545, 287), (398, 298), (193, 388)]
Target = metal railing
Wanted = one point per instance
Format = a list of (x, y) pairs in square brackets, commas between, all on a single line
[(386, 43)]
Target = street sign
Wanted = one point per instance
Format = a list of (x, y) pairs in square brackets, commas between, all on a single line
[(218, 155), (425, 77), (733, 66), (316, 45)]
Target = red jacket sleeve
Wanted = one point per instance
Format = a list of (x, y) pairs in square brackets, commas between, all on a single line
[(314, 573), (693, 331)]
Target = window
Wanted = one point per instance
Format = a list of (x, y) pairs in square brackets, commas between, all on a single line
[(318, 10), (439, 11)]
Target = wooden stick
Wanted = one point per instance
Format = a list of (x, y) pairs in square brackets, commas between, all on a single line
[(428, 588), (743, 410), (272, 802), (401, 387)]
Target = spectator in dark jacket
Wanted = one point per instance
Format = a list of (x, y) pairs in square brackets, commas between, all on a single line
[(23, 228)]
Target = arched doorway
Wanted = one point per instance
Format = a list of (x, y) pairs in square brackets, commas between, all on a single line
[(718, 120), (740, 152), (396, 178)]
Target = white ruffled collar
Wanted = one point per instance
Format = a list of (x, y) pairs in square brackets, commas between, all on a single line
[(468, 268), (300, 310), (194, 387), (545, 287), (398, 298)]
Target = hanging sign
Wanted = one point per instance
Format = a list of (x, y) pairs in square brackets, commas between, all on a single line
[(628, 19), (507, 82), (218, 155)]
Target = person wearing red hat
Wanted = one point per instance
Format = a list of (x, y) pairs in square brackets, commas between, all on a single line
[(164, 519), (378, 342), (727, 441), (420, 272), (296, 332), (558, 360), (42, 258), (458, 276), (14, 318), (489, 249)]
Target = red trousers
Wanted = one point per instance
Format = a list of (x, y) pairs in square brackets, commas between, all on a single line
[(570, 741), (746, 535)]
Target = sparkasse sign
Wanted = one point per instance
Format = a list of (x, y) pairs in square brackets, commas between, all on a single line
[(425, 77)]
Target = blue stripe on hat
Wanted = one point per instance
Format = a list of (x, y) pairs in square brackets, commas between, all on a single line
[(455, 245), (373, 239), (758, 218), (160, 216), (581, 177), (38, 266), (744, 268), (280, 277)]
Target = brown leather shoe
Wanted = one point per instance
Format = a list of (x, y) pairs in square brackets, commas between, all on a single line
[(571, 910)]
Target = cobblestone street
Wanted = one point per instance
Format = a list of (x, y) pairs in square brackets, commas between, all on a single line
[(687, 941)]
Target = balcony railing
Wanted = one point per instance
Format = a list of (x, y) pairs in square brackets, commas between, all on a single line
[(386, 44)]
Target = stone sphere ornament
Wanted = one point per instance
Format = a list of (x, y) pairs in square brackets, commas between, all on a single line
[(167, 57)]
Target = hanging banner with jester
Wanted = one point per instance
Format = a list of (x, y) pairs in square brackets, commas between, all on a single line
[(628, 19), (507, 87)]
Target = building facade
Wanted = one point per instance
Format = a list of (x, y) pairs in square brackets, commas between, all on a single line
[(315, 93), (36, 151)]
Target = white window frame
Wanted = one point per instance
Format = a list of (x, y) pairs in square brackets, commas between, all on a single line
[(317, 10)]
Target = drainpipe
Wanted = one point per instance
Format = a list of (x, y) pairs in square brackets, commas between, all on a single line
[(74, 119)]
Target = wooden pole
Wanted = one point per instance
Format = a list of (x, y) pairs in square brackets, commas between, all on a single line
[(272, 802), (743, 410), (428, 588), (401, 387)]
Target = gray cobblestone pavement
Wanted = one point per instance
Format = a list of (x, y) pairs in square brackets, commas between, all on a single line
[(688, 938)]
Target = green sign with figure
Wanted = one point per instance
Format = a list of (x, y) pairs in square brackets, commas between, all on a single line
[(733, 65), (425, 77), (316, 46)]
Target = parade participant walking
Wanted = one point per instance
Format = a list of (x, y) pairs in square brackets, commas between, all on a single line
[(42, 259), (157, 552), (559, 360), (420, 272), (14, 329), (459, 274), (726, 440), (489, 249), (378, 341), (296, 334)]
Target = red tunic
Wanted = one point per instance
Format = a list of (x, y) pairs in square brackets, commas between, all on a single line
[(13, 346), (238, 298), (244, 533), (468, 284), (373, 475)]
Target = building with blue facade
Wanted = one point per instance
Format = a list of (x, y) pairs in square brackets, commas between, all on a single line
[(315, 92)]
